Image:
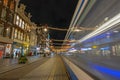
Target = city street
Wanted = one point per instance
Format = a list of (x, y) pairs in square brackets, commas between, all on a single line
[(60, 40), (44, 69)]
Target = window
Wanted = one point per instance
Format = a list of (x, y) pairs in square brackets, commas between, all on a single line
[(17, 20), (15, 33), (20, 24), (24, 37), (10, 17), (3, 15), (1, 2), (5, 2), (12, 5), (27, 27), (19, 35), (13, 29), (23, 24), (1, 29), (27, 38), (8, 32)]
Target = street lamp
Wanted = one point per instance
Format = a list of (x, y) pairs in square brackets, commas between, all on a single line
[(45, 29), (77, 30)]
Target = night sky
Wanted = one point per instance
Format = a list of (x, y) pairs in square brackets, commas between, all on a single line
[(55, 13)]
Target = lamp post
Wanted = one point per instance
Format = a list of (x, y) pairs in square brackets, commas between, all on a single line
[(45, 29)]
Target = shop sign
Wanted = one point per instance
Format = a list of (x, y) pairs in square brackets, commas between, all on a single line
[(8, 48)]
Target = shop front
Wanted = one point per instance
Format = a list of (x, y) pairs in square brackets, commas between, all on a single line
[(26, 48), (5, 47), (33, 50), (2, 47), (17, 50), (8, 48), (5, 50)]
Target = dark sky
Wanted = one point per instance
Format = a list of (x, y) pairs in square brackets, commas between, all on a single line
[(56, 13)]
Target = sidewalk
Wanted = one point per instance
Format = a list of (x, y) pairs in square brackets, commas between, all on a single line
[(9, 64), (53, 69)]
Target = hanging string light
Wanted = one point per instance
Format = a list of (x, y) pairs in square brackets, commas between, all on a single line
[(58, 29), (61, 29)]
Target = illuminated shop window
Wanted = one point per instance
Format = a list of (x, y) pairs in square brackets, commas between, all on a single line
[(17, 20), (5, 2)]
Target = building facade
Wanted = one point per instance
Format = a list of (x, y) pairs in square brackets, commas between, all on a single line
[(7, 11), (16, 29), (22, 31), (33, 40)]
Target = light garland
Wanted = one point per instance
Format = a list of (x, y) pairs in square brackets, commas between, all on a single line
[(79, 28), (57, 29)]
